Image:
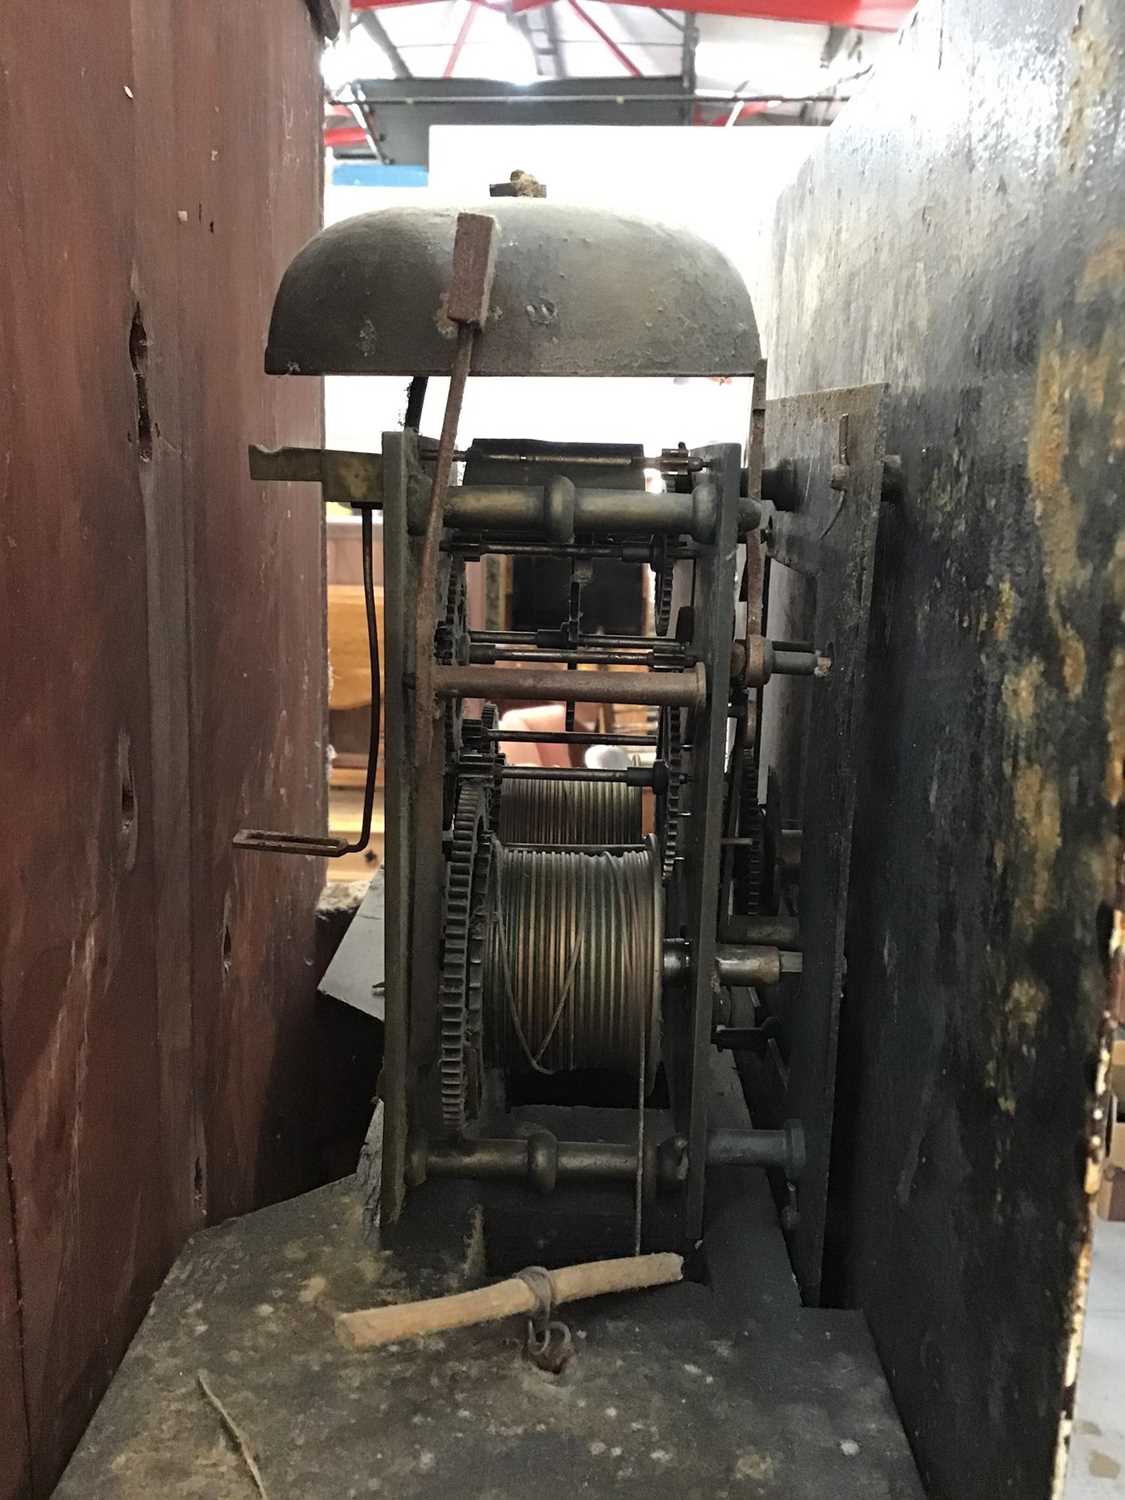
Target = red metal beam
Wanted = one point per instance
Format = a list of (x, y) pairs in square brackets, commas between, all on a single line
[(626, 62), (516, 5), (345, 135), (869, 15), (455, 50)]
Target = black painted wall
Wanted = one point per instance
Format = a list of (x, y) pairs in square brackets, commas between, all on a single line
[(961, 235)]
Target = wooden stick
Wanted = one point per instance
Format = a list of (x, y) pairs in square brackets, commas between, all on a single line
[(235, 1433), (370, 1326)]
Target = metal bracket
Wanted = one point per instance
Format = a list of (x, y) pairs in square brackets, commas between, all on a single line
[(831, 445), (267, 842), (346, 478)]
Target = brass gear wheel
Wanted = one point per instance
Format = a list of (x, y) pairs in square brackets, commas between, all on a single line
[(755, 886), (480, 755), (664, 568), (465, 909), (448, 638), (669, 750)]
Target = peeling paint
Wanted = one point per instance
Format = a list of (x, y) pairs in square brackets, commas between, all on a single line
[(1072, 382), (1062, 1452), (1027, 999), (1073, 661), (1093, 73), (442, 321), (1036, 802), (1095, 1157), (1115, 727), (1078, 1312), (1019, 692), (1115, 568), (1007, 602), (1105, 267), (1058, 514)]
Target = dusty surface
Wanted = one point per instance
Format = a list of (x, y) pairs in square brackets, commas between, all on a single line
[(667, 1395)]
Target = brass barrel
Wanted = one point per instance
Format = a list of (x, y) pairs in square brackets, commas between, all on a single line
[(569, 812), (574, 962)]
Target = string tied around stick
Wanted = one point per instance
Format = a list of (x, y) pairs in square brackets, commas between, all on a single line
[(548, 1344)]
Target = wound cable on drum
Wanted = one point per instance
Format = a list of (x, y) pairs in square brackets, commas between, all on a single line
[(569, 812), (572, 978)]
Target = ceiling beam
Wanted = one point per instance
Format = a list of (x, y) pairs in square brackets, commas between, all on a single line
[(622, 57), (687, 52), (543, 41), (870, 15), (551, 28), (865, 15), (378, 34), (462, 37), (837, 36)]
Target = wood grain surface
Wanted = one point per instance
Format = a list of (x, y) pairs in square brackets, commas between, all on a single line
[(161, 666)]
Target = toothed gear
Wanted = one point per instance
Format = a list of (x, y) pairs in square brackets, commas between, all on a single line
[(750, 883), (451, 627), (480, 755), (480, 916), (771, 844), (750, 863), (668, 801), (462, 947), (448, 638), (665, 569), (476, 734)]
